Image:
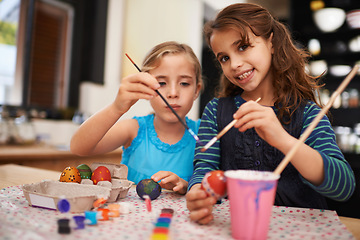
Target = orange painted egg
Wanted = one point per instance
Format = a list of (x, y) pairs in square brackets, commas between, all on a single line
[(70, 174), (101, 173)]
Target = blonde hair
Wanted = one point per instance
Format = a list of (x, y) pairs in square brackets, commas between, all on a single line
[(152, 59)]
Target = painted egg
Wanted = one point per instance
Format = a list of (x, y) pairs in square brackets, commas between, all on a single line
[(85, 171), (148, 187), (101, 173), (70, 174), (214, 183)]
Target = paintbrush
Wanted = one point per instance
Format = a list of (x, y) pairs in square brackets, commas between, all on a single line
[(221, 133), (316, 120), (181, 121)]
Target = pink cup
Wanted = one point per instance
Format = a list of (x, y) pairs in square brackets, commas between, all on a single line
[(251, 194)]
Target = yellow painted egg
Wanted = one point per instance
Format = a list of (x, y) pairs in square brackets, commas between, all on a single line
[(70, 174)]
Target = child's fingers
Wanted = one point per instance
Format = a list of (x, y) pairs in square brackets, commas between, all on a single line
[(179, 186), (160, 175), (195, 193), (247, 121), (140, 83), (145, 79), (246, 108), (202, 216), (140, 88), (198, 199), (172, 178), (137, 88), (206, 219)]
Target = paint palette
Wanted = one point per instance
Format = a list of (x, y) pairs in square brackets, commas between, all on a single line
[(161, 229)]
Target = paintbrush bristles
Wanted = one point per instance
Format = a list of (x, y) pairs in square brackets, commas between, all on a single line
[(222, 132)]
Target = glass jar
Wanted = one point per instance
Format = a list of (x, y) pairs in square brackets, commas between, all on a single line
[(25, 130)]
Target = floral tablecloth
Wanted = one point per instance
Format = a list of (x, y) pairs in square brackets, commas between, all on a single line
[(20, 221)]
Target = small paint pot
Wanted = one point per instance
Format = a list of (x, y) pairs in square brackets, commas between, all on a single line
[(104, 214), (79, 221), (91, 217), (114, 210), (63, 226)]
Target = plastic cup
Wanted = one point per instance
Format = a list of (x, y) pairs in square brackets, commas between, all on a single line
[(251, 194)]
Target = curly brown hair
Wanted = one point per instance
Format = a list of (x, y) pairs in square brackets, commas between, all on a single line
[(292, 84)]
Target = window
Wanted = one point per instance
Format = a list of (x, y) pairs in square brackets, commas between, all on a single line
[(9, 21)]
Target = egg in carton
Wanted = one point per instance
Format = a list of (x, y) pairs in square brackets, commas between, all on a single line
[(48, 193), (119, 184), (119, 171)]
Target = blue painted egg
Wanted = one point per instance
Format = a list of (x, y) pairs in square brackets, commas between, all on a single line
[(148, 187)]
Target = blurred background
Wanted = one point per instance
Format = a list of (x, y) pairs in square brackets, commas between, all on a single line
[(63, 60)]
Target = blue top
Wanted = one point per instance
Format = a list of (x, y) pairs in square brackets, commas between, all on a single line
[(147, 154), (339, 182)]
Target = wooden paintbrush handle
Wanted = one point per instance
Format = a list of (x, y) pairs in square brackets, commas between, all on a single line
[(227, 128), (315, 122)]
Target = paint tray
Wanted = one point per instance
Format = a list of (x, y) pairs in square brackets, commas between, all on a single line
[(46, 194)]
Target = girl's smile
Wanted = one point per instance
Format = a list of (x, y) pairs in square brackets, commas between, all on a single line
[(245, 76)]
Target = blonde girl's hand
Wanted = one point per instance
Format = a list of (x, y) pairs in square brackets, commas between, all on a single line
[(170, 181), (134, 87), (264, 120), (200, 205)]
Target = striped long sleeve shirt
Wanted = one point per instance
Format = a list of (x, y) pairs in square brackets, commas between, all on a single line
[(339, 181)]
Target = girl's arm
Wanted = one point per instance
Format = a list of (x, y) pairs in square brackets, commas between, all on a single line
[(318, 160), (339, 179), (306, 160), (198, 202), (209, 160), (102, 132)]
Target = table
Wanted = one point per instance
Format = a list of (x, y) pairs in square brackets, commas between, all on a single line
[(19, 221), (12, 175), (50, 157)]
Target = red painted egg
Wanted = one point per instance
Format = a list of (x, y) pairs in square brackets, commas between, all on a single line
[(214, 183), (101, 173), (70, 174)]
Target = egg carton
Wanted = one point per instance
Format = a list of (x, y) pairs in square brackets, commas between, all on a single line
[(119, 184), (119, 187), (81, 197)]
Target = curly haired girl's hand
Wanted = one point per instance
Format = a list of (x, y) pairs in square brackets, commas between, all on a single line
[(265, 122), (200, 205)]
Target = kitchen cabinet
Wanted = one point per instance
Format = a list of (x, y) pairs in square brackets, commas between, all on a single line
[(334, 50), (334, 46)]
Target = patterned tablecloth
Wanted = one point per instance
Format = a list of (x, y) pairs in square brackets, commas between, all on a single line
[(20, 221)]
